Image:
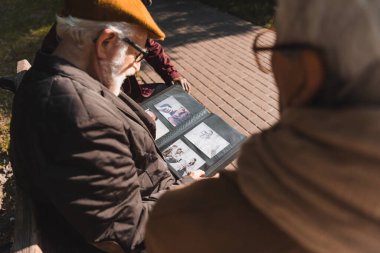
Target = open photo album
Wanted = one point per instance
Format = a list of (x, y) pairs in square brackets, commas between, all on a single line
[(189, 136)]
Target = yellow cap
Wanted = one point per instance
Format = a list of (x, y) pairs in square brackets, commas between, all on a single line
[(130, 11)]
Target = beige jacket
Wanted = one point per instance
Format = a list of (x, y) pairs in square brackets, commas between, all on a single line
[(312, 182)]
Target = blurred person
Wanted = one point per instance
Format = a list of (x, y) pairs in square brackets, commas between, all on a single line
[(161, 63), (82, 148), (311, 182)]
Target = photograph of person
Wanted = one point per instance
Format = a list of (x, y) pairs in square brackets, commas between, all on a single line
[(182, 158), (173, 111), (206, 140)]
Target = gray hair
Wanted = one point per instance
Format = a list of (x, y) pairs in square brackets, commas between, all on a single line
[(84, 32), (348, 32)]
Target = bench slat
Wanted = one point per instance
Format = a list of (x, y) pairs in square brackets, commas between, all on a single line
[(25, 235)]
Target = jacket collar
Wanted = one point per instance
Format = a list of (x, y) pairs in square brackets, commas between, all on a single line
[(58, 66)]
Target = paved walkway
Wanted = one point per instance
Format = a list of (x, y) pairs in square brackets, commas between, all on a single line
[(213, 51)]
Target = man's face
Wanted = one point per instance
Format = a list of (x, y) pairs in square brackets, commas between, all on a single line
[(131, 65), (121, 63), (299, 76), (288, 77)]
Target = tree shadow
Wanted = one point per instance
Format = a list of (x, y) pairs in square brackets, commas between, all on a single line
[(190, 21)]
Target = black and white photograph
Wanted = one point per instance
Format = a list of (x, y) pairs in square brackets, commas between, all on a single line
[(206, 140), (182, 158), (173, 111)]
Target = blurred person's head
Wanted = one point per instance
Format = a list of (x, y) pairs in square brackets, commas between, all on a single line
[(333, 52), (105, 38)]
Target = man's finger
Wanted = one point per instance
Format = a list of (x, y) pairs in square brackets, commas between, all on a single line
[(185, 84), (151, 114), (197, 174)]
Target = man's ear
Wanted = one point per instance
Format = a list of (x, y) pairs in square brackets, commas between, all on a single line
[(314, 75), (105, 43)]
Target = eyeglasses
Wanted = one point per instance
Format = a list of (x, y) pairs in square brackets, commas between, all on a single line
[(264, 45), (142, 51)]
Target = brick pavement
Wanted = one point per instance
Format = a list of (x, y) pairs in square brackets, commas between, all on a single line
[(213, 51)]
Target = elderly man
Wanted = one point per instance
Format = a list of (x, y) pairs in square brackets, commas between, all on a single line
[(311, 183), (82, 149), (155, 57)]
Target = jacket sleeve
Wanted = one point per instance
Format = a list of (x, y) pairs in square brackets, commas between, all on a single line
[(160, 61), (92, 180)]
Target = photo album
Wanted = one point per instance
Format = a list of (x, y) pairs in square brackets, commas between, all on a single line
[(189, 136)]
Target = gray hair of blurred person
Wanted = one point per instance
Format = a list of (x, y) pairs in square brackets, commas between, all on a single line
[(348, 34), (84, 32)]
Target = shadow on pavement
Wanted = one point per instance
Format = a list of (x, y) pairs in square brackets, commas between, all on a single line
[(190, 21)]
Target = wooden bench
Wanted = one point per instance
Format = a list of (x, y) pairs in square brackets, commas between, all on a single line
[(27, 235), (26, 232)]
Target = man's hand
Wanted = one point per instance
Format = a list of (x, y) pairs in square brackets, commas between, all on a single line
[(151, 114), (197, 174), (183, 82)]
